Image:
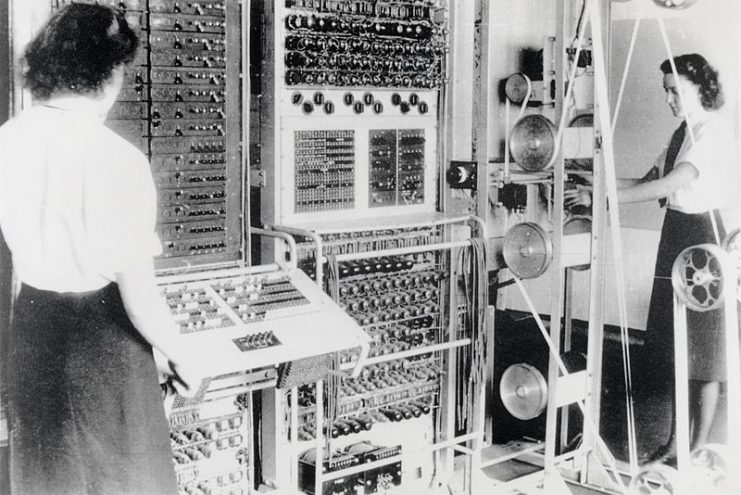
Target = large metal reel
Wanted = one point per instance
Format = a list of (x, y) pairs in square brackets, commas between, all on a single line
[(527, 250), (533, 142), (709, 467), (698, 275), (732, 246), (656, 479), (524, 391)]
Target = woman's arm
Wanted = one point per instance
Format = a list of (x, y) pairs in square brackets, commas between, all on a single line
[(652, 174), (646, 188), (660, 188), (148, 312)]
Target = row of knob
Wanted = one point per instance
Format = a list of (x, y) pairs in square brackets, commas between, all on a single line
[(398, 10), (391, 300), (202, 451), (375, 265), (367, 78), (362, 46), (360, 62), (338, 25), (350, 425), (377, 285)]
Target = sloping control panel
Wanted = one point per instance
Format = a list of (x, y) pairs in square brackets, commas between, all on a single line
[(247, 318)]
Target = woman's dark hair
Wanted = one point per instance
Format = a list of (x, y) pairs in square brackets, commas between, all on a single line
[(77, 50), (695, 68)]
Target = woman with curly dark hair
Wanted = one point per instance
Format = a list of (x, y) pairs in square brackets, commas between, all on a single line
[(77, 209), (694, 179)]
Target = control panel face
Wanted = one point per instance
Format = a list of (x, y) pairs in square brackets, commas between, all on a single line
[(353, 110), (181, 106)]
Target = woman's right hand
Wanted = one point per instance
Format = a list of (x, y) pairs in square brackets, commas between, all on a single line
[(186, 379), (580, 196)]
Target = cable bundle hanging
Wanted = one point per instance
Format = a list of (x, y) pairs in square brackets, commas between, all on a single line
[(331, 276), (472, 365)]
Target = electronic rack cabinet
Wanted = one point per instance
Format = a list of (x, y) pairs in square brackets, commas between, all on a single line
[(349, 101), (181, 105)]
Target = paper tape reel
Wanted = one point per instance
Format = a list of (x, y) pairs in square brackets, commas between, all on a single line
[(532, 142)]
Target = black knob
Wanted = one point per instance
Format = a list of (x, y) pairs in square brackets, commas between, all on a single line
[(328, 107), (358, 107), (413, 99), (292, 78), (396, 99), (368, 98), (378, 107), (307, 107), (318, 98)]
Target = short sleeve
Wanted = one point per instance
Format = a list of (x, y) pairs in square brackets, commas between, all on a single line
[(712, 152), (698, 153), (121, 211)]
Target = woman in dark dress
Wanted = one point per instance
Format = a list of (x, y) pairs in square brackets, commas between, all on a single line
[(694, 179), (77, 209)]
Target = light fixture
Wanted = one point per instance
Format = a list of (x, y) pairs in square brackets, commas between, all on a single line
[(675, 4)]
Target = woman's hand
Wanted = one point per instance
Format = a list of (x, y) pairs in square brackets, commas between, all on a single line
[(580, 196), (186, 379)]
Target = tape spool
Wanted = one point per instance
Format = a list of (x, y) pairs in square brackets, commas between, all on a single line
[(524, 391), (578, 225), (527, 250), (516, 87), (533, 142), (698, 275), (655, 479)]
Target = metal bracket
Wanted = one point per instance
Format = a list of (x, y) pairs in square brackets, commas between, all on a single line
[(258, 177)]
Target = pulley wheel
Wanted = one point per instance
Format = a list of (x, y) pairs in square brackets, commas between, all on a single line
[(655, 480), (578, 225), (698, 275), (527, 250), (732, 246), (516, 87), (533, 142), (709, 465), (675, 4), (524, 391)]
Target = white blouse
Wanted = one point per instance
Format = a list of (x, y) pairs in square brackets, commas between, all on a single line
[(714, 156), (77, 201)]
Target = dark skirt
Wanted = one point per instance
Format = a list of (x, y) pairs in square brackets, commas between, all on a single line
[(705, 335), (84, 403)]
